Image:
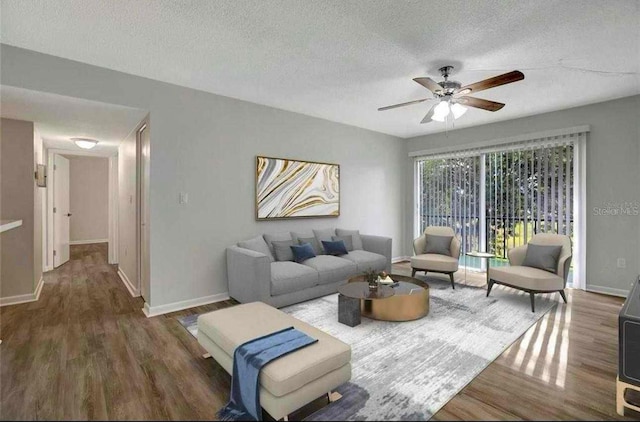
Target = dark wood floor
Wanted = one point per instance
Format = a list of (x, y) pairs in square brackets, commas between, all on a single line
[(86, 351)]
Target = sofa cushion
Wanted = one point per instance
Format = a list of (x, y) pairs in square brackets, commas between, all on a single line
[(324, 234), (366, 260), (435, 262), (277, 237), (355, 236), (305, 235), (229, 328), (527, 278), (331, 268), (257, 244), (288, 277), (317, 249), (302, 252), (348, 241), (335, 247), (282, 250)]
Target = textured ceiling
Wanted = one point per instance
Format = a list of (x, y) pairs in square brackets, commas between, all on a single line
[(59, 118), (341, 60)]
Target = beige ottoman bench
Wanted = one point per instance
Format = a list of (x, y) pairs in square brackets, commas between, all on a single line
[(288, 383)]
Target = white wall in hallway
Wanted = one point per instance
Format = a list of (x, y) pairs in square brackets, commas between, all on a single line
[(89, 198)]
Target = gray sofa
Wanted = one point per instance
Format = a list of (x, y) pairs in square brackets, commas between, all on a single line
[(254, 273)]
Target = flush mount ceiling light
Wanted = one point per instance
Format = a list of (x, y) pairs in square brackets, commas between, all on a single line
[(85, 143), (452, 96)]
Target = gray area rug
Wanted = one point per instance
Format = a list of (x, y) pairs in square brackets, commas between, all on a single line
[(409, 370)]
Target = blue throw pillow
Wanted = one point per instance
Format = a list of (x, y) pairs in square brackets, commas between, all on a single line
[(302, 252), (335, 248)]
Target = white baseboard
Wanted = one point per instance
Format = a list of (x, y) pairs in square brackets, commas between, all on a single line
[(125, 280), (151, 311), (397, 259), (87, 242), (29, 297), (608, 290)]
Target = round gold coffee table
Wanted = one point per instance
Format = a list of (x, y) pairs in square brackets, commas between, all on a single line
[(410, 300)]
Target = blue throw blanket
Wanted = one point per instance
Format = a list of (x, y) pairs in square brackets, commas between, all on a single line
[(248, 359)]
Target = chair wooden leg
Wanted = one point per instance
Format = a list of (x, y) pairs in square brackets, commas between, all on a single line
[(453, 285), (413, 272), (489, 287), (564, 297), (533, 301)]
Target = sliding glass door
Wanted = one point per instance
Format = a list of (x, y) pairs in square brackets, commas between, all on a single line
[(449, 196), (498, 198), (528, 192)]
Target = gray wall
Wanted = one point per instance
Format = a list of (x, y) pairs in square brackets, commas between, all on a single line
[(205, 145), (19, 272), (613, 175), (88, 198)]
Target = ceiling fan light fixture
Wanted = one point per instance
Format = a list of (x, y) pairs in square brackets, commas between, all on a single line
[(438, 118), (85, 143), (458, 110), (463, 92), (441, 111)]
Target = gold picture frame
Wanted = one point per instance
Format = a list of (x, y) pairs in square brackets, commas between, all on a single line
[(289, 188)]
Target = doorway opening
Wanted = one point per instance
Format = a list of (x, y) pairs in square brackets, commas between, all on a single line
[(81, 208), (90, 195)]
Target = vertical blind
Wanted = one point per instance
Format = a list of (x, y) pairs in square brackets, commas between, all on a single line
[(449, 196), (528, 188), (529, 191)]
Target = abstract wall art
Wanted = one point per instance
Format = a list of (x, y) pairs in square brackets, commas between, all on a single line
[(296, 189)]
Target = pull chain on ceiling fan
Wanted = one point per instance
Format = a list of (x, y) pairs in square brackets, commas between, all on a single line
[(453, 98)]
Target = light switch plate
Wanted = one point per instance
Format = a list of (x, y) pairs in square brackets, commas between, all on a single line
[(622, 263), (184, 198)]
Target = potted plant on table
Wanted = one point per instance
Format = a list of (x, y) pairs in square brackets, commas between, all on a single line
[(372, 277)]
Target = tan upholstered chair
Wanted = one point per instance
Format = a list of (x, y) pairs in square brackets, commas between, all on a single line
[(436, 263), (534, 280)]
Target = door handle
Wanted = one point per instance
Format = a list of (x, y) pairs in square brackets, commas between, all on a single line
[(69, 215)]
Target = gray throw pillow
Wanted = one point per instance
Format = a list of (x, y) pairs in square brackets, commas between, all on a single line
[(544, 257), (355, 237), (314, 244), (440, 245), (257, 244), (348, 241), (324, 234), (282, 249), (270, 238)]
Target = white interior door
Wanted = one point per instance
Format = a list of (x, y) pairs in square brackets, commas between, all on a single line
[(143, 210), (61, 212)]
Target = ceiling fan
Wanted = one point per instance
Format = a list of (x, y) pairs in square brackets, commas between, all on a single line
[(452, 96)]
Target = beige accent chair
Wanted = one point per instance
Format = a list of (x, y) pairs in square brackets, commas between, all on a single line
[(534, 280), (436, 263)]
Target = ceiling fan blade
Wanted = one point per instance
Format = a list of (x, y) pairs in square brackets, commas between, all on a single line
[(430, 84), (427, 118), (480, 103), (507, 78), (402, 104)]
